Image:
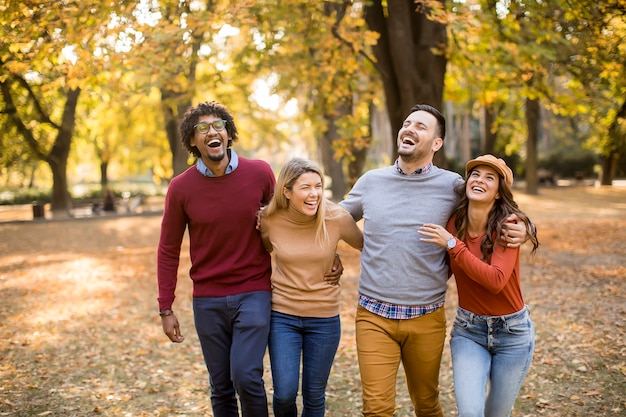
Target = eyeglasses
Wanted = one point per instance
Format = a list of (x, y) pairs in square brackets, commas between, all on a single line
[(204, 127)]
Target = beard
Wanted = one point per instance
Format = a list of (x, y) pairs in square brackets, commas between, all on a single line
[(421, 150), (218, 157), (404, 152), (412, 154)]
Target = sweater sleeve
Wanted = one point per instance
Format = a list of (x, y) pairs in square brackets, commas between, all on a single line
[(350, 232), (493, 276), (353, 203), (268, 191), (173, 226)]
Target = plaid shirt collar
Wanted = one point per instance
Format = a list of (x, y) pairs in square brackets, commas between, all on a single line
[(419, 171)]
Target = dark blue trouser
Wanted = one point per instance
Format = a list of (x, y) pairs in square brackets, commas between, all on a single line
[(313, 341), (233, 333)]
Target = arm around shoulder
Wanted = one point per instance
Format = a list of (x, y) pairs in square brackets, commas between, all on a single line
[(515, 231), (265, 233)]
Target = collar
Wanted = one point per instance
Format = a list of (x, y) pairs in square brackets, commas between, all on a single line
[(297, 217), (419, 171), (232, 164)]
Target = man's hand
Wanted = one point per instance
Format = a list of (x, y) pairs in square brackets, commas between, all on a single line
[(171, 328), (258, 218), (514, 232), (332, 277)]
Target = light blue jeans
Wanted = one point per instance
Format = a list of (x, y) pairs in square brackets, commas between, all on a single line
[(312, 340), (490, 358)]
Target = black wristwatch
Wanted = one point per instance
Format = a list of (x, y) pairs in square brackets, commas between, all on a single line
[(166, 312)]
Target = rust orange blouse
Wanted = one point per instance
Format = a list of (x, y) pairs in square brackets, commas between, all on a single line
[(486, 289)]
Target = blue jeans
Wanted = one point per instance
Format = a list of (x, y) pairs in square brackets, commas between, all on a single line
[(233, 333), (490, 349), (316, 340)]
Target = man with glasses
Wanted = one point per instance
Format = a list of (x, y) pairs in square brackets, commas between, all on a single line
[(217, 200)]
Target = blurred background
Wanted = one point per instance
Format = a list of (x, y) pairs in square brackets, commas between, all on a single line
[(92, 92)]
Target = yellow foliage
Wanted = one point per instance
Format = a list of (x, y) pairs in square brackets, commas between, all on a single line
[(74, 83)]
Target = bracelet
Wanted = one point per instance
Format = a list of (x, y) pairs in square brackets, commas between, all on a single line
[(166, 312)]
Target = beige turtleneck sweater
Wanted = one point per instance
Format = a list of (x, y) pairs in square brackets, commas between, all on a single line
[(299, 262)]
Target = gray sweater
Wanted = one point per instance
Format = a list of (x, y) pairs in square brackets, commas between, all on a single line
[(395, 266)]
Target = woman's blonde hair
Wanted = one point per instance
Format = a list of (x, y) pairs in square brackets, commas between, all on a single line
[(288, 176)]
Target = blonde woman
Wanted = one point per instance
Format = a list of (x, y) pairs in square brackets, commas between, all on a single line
[(493, 337), (301, 228)]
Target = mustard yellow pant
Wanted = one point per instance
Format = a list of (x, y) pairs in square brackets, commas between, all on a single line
[(383, 343)]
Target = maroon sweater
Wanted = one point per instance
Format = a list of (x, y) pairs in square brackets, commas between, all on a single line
[(227, 256)]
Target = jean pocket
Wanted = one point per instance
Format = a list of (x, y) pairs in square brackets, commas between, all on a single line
[(461, 323), (519, 327)]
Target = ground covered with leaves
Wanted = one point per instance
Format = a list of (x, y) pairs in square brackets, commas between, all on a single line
[(79, 333)]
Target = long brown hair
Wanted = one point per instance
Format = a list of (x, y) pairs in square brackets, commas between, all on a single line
[(502, 208)]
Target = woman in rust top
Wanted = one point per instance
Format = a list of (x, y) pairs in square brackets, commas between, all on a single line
[(492, 339)]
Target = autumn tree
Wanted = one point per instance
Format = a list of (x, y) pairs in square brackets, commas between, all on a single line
[(410, 56), (594, 35), (47, 59), (559, 58), (163, 54), (338, 52), (121, 129), (198, 60), (503, 54), (314, 52), (482, 80)]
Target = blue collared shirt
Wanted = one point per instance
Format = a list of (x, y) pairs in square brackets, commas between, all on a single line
[(232, 165)]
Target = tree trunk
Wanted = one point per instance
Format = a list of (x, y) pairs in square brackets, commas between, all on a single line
[(532, 125), (408, 59), (31, 176), (617, 138), (489, 134), (104, 177), (356, 165), (609, 167), (465, 139), (56, 158), (174, 104), (61, 202), (336, 169), (332, 167), (171, 115)]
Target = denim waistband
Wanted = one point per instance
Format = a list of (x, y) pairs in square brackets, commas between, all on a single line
[(468, 315)]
